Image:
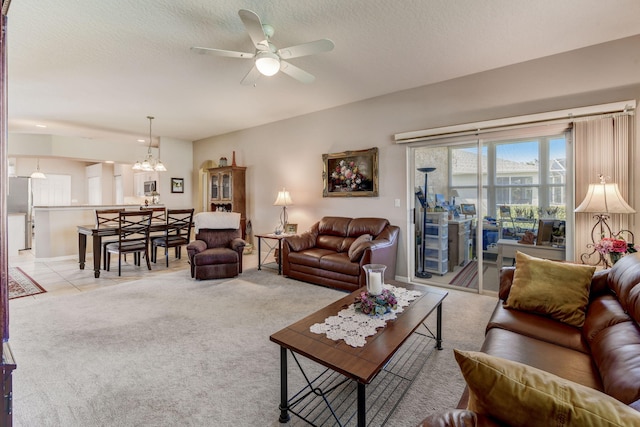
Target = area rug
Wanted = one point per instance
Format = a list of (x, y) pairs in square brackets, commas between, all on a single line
[(468, 276), (21, 284)]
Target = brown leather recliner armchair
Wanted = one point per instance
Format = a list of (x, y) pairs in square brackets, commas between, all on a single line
[(216, 253)]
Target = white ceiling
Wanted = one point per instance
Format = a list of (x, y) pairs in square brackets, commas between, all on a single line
[(96, 68)]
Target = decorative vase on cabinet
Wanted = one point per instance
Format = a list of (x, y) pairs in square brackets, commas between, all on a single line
[(227, 191)]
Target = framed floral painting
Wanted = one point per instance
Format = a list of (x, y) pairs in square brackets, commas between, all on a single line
[(351, 174)]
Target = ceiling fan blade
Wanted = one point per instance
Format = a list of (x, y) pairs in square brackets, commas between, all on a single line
[(251, 78), (295, 72), (220, 52), (253, 25), (318, 46)]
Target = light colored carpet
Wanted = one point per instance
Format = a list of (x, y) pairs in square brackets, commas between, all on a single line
[(174, 351)]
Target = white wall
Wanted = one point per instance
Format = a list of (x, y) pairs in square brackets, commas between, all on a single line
[(76, 169), (289, 153), (66, 155), (177, 156)]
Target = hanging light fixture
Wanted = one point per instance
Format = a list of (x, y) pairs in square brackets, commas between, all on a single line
[(37, 174), (150, 164)]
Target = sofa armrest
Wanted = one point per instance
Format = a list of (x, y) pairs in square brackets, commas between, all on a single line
[(237, 244), (382, 250), (300, 242), (506, 279), (196, 246)]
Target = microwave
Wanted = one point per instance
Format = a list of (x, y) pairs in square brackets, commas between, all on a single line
[(149, 188)]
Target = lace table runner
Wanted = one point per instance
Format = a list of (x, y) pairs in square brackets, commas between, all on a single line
[(354, 327)]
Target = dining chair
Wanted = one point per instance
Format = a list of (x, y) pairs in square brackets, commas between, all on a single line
[(158, 216), (133, 237), (107, 218), (177, 234)]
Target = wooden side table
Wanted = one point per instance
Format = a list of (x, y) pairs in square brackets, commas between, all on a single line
[(273, 246)]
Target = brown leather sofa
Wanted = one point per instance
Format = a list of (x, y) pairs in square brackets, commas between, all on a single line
[(324, 256), (604, 354)]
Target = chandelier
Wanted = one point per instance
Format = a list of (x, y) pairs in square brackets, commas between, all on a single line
[(150, 164)]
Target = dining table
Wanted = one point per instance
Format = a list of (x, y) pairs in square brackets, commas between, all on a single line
[(97, 233)]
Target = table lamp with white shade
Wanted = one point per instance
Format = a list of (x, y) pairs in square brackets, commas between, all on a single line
[(283, 199)]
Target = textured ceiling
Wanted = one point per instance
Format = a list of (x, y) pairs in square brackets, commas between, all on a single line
[(96, 69)]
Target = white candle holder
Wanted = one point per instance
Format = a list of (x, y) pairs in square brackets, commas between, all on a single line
[(375, 278)]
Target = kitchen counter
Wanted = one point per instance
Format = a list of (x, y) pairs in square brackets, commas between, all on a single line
[(56, 233)]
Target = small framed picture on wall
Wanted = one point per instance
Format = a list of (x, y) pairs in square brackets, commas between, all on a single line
[(291, 229), (177, 185)]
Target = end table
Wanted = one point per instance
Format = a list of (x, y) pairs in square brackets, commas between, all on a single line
[(277, 245)]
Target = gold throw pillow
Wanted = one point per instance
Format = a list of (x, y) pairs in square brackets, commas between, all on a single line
[(520, 395), (559, 290)]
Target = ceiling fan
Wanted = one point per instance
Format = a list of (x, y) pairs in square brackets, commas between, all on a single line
[(268, 59)]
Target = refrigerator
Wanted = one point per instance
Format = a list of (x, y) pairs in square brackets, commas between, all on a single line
[(19, 200)]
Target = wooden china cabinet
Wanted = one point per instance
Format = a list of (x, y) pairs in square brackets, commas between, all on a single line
[(227, 192)]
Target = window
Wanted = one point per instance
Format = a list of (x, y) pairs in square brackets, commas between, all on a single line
[(524, 174)]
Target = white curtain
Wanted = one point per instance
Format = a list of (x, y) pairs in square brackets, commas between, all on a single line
[(602, 146)]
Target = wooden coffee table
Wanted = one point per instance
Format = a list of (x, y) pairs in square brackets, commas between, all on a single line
[(357, 364)]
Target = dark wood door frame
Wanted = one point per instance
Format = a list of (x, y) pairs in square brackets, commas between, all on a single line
[(7, 362)]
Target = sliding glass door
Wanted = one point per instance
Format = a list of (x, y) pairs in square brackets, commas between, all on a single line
[(481, 195), (445, 249)]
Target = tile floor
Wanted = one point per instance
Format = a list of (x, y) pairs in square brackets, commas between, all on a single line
[(63, 275)]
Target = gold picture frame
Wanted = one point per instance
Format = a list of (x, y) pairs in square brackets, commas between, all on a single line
[(291, 229), (351, 174)]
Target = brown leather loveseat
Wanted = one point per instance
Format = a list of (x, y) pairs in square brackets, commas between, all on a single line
[(334, 250), (603, 354)]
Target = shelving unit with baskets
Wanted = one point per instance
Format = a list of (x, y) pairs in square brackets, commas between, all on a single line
[(436, 247)]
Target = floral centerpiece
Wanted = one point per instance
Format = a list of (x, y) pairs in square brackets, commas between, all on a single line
[(376, 304), (614, 248)]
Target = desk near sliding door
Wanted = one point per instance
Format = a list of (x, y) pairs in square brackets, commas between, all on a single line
[(507, 249)]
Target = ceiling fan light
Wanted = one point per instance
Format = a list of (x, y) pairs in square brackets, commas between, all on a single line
[(268, 63)]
